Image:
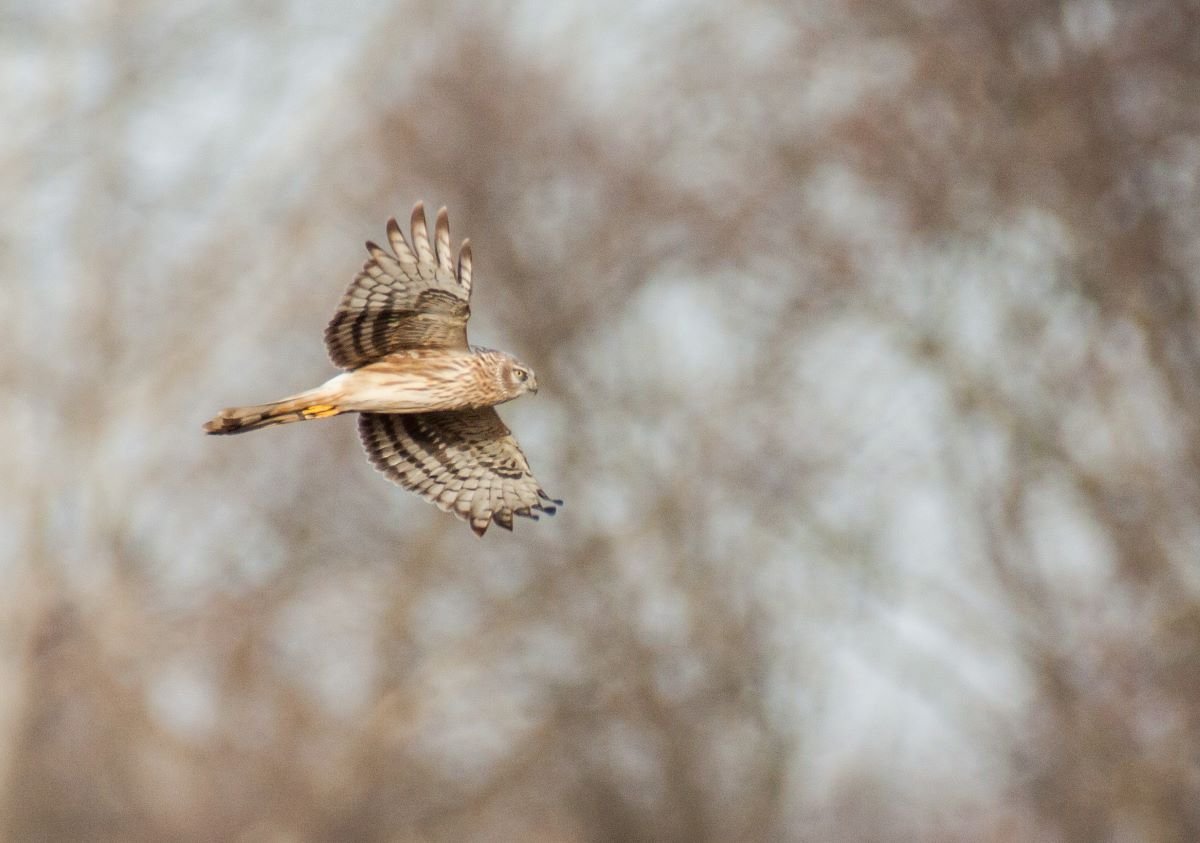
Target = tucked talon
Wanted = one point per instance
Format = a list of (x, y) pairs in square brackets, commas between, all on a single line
[(320, 411)]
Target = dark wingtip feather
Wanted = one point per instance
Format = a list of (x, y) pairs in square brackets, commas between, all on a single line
[(556, 501)]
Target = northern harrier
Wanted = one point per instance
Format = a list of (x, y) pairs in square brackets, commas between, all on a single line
[(426, 399)]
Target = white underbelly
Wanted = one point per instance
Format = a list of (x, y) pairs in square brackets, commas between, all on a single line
[(399, 392)]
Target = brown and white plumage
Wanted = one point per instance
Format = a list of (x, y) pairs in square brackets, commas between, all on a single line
[(411, 297), (465, 461), (425, 396)]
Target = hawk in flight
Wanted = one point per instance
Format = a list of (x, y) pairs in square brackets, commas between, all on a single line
[(426, 400)]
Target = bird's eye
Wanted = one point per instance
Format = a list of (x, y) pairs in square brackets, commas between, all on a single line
[(521, 375)]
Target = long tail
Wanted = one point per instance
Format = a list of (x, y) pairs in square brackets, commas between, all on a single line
[(314, 404)]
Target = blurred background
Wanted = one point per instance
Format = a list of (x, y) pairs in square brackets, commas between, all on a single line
[(868, 341)]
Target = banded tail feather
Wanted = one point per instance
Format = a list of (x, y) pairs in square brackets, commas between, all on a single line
[(315, 404)]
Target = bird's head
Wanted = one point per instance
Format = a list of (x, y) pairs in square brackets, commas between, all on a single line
[(518, 378), (514, 377)]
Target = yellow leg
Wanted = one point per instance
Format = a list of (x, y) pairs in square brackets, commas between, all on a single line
[(320, 411)]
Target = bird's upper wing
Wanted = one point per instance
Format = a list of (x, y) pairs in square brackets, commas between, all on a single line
[(411, 297), (465, 461)]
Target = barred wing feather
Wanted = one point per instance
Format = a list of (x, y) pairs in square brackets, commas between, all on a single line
[(466, 462), (413, 296)]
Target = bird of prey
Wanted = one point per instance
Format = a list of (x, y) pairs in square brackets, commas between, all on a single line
[(425, 398)]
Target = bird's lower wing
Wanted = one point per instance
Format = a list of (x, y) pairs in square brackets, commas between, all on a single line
[(465, 461)]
